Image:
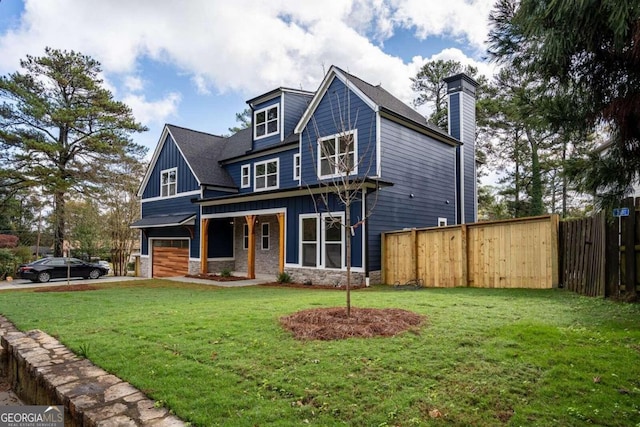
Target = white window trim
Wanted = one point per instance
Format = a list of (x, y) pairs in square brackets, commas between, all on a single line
[(301, 228), (245, 171), (255, 124), (167, 171), (267, 235), (321, 239), (340, 217), (335, 137), (245, 237), (297, 170), (255, 175)]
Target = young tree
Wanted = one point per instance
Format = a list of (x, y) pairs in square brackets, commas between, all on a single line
[(337, 158), (61, 130)]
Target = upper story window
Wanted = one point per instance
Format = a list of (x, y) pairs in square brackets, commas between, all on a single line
[(337, 155), (265, 175), (266, 122), (245, 176), (296, 167), (169, 182)]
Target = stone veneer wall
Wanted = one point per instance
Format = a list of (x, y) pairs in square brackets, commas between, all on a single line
[(325, 277), (266, 260), (145, 267), (42, 371), (375, 277)]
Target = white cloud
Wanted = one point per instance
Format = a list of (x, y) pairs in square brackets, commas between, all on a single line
[(463, 19), (133, 83), (153, 112), (245, 45)]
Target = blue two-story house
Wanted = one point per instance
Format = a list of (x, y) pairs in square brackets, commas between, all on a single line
[(271, 198)]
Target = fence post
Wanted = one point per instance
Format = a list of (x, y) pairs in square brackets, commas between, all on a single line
[(465, 255), (414, 254), (629, 241), (383, 258)]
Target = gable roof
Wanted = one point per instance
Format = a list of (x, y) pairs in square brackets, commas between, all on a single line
[(378, 98), (200, 150)]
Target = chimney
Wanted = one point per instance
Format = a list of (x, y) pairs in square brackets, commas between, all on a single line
[(462, 126)]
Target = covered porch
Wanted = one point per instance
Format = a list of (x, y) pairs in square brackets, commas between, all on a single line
[(257, 241)]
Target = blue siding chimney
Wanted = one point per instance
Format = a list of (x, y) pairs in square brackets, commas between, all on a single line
[(462, 125)]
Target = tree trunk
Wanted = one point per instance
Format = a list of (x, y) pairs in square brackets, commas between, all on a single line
[(59, 224), (536, 178), (347, 230)]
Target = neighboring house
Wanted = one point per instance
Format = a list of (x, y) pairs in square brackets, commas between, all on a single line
[(251, 202)]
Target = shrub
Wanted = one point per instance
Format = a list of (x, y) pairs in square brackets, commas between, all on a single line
[(8, 263), (226, 272), (283, 277)]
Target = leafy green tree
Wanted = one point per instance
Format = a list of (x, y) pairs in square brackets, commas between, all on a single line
[(86, 232), (61, 130), (589, 51)]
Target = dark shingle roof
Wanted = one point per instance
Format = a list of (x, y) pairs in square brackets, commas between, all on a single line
[(203, 152), (237, 144), (389, 102)]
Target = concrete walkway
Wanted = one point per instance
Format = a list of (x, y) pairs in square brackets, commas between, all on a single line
[(259, 280), (24, 284)]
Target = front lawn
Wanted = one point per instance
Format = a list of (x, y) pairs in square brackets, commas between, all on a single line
[(484, 357)]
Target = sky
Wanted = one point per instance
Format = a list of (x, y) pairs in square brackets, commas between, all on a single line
[(194, 63)]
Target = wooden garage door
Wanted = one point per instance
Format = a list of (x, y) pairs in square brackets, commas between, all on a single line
[(170, 258)]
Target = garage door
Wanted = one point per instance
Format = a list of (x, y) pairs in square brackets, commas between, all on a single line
[(170, 258)]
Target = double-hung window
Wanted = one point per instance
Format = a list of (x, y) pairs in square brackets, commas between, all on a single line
[(322, 243), (266, 122), (265, 236), (337, 155), (168, 182), (265, 175), (296, 167), (245, 176)]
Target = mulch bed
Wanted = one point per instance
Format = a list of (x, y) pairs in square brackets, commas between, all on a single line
[(66, 288), (303, 286), (333, 324), (217, 277)]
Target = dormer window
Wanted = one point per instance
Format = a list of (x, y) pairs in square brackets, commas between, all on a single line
[(266, 122), (168, 182)]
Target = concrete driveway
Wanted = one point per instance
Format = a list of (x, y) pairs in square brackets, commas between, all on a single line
[(23, 283)]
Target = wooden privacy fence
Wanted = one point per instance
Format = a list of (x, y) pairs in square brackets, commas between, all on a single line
[(599, 254), (518, 253)]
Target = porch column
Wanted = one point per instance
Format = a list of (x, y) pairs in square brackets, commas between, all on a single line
[(251, 252), (281, 231), (204, 245)]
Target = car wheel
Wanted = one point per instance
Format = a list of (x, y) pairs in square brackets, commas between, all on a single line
[(94, 274), (44, 276)]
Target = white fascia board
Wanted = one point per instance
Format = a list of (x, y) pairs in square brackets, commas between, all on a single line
[(154, 159), (322, 90)]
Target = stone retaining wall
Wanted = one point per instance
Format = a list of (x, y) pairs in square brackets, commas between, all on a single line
[(42, 371)]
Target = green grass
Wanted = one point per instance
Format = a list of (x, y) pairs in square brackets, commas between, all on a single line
[(485, 357)]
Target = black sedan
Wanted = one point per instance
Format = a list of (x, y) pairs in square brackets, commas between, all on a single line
[(45, 269)]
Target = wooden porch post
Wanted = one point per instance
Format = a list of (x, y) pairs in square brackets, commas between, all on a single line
[(204, 245), (281, 231), (251, 255)]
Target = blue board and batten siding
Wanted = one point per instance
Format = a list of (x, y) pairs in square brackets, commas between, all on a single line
[(468, 138), (330, 118), (294, 106), (417, 165), (170, 157)]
